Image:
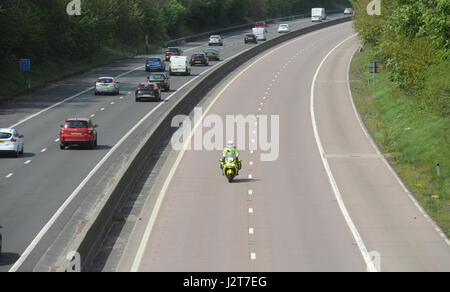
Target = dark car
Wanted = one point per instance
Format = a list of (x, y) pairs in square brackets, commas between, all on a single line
[(162, 79), (155, 64), (212, 54), (173, 52), (199, 59), (148, 90), (250, 38)]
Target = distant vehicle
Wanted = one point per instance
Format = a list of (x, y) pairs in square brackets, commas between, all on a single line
[(172, 51), (260, 33), (11, 142), (107, 85), (318, 14), (250, 38), (215, 40), (348, 11), (155, 64), (261, 24), (148, 90), (179, 65), (212, 54), (162, 79), (199, 59), (81, 132), (283, 28)]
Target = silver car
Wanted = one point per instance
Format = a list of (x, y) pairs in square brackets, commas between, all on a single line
[(107, 85), (215, 40)]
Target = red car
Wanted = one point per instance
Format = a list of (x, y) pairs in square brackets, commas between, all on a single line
[(78, 132), (173, 52), (260, 24)]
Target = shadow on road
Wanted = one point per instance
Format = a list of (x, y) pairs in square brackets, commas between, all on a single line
[(8, 259), (12, 156), (245, 180)]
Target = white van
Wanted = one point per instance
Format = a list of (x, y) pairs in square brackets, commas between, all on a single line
[(179, 65), (318, 14), (260, 33)]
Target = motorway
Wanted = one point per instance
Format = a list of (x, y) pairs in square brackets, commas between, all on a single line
[(34, 186), (327, 201)]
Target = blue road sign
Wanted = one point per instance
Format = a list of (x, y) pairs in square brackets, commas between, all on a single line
[(25, 65)]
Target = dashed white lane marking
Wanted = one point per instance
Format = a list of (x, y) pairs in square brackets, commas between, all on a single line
[(129, 92), (251, 163), (9, 175), (67, 99), (121, 97), (251, 231), (102, 109), (250, 192), (253, 256), (57, 140), (43, 150), (250, 210), (27, 162), (92, 115), (112, 102), (250, 176), (251, 152)]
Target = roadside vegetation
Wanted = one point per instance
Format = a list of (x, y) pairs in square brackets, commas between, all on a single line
[(407, 111), (107, 30)]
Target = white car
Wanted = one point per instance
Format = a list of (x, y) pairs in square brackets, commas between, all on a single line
[(11, 142), (179, 65), (283, 28), (215, 40), (348, 11), (107, 85)]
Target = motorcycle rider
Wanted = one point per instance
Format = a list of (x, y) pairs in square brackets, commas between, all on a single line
[(231, 150)]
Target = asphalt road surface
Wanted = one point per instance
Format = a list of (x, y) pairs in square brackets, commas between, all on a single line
[(35, 185), (285, 215)]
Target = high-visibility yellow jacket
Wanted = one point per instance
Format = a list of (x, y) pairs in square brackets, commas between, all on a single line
[(231, 151)]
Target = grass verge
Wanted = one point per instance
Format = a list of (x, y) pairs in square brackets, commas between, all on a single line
[(43, 72), (413, 139)]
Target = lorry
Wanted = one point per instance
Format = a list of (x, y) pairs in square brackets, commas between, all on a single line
[(260, 33), (318, 14)]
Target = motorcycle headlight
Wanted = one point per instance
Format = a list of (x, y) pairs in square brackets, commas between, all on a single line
[(231, 164)]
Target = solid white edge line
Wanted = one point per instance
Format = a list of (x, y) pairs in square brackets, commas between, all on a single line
[(147, 233), (76, 95), (66, 100), (53, 106), (357, 237), (388, 165), (52, 220), (61, 209)]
